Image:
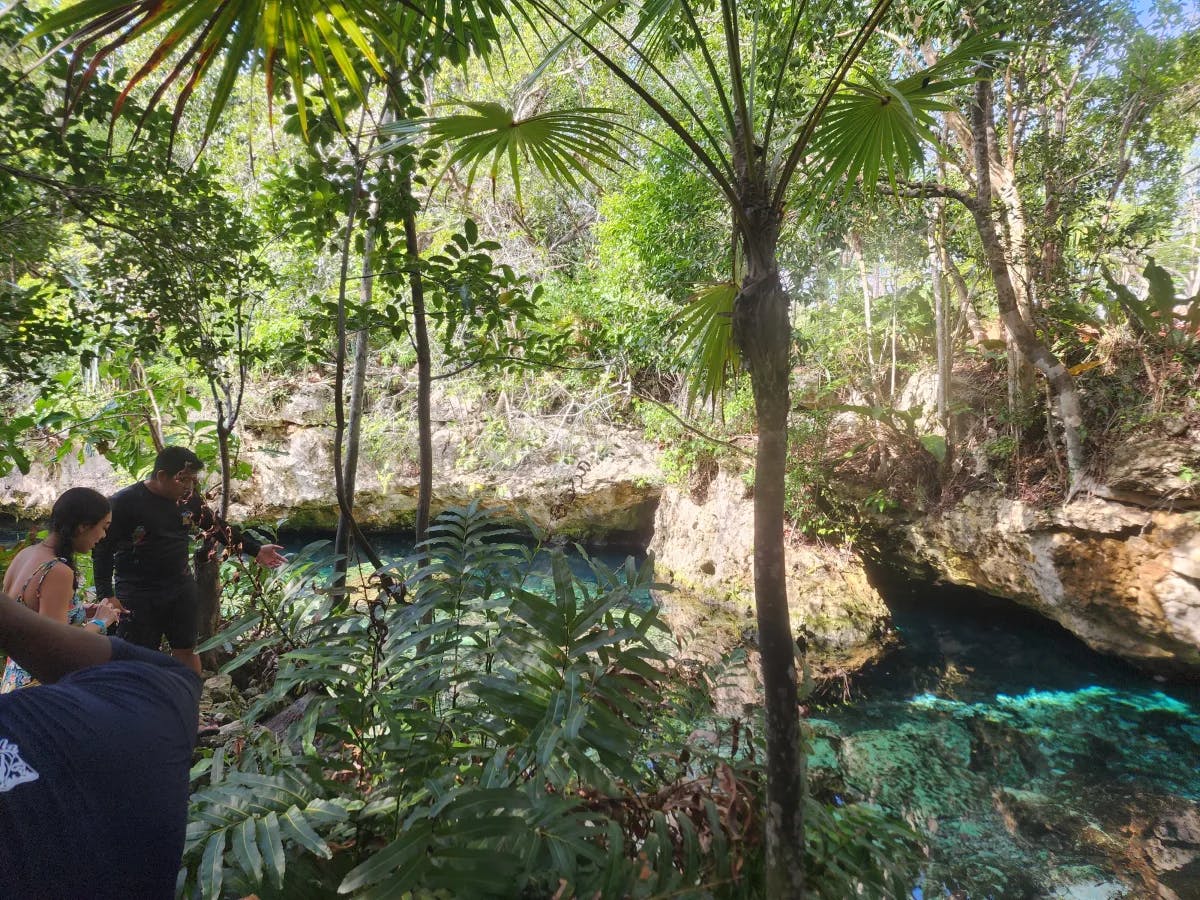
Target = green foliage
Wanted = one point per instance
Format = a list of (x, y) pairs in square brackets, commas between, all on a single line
[(707, 324), (487, 739), (486, 314), (562, 145), (621, 331), (859, 851), (688, 458), (1162, 315), (473, 725), (340, 44), (69, 418), (661, 232), (809, 473)]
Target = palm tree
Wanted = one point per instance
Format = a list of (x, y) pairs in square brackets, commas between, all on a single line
[(786, 126)]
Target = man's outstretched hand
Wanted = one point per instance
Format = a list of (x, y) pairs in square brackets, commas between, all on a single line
[(269, 556)]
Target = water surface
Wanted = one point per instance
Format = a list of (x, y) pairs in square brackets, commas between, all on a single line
[(1036, 766)]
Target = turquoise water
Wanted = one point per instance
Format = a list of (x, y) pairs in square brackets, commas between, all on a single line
[(393, 546), (1036, 767)]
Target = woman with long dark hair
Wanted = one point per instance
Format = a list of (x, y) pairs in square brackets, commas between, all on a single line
[(44, 577)]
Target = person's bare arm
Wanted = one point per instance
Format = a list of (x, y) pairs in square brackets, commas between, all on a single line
[(48, 650)]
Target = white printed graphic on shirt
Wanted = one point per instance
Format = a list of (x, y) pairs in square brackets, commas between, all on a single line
[(13, 769)]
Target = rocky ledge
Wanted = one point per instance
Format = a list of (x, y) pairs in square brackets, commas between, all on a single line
[(598, 485), (1118, 565), (704, 546)]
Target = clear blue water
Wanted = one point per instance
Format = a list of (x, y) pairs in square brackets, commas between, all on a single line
[(1035, 766)]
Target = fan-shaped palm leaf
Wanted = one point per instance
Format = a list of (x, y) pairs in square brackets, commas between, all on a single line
[(707, 334), (563, 144), (341, 41), (875, 128)]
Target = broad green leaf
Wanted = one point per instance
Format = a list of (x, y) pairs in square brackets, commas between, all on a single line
[(245, 849), (270, 844), (210, 875), (383, 862), (294, 826), (936, 445)]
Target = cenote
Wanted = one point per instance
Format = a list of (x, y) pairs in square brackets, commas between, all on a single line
[(1033, 766)]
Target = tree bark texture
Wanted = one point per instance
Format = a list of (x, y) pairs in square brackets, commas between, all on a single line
[(941, 327), (1026, 340), (966, 302), (856, 250), (762, 332)]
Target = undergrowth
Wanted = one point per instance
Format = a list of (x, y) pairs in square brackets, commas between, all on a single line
[(477, 738)]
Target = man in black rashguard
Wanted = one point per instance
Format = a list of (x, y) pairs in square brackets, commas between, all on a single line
[(147, 549), (94, 764)]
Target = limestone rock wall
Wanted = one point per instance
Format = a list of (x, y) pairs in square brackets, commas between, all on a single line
[(599, 485), (704, 546), (1119, 565)]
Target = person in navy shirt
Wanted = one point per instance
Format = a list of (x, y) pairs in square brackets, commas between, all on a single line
[(94, 764)]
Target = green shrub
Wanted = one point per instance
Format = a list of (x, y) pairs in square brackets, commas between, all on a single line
[(478, 738)]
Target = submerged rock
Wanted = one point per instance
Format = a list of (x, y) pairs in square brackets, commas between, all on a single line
[(1069, 793)]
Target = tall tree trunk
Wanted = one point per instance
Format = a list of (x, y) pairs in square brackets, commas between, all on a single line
[(892, 371), (762, 332), (424, 365), (1023, 337), (940, 328), (358, 386), (344, 497), (856, 250)]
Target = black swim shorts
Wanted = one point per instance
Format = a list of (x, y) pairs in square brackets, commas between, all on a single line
[(152, 615)]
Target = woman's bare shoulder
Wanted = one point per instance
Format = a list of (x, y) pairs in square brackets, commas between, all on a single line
[(26, 563)]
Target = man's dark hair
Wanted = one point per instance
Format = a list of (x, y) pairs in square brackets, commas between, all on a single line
[(174, 460)]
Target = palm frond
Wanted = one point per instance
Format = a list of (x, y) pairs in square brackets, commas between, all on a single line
[(875, 130), (563, 145), (341, 42), (707, 326)]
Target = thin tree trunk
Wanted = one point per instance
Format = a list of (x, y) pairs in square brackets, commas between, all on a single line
[(856, 249), (358, 384), (154, 420), (892, 375), (424, 366), (339, 405), (966, 303), (1023, 337), (762, 332), (940, 328)]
